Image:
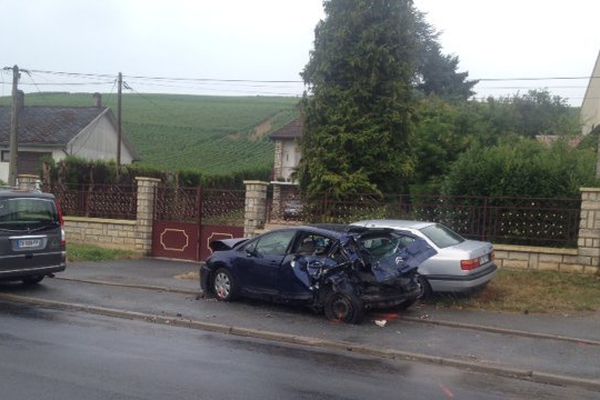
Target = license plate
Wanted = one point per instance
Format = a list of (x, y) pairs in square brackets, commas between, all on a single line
[(484, 259), (29, 243)]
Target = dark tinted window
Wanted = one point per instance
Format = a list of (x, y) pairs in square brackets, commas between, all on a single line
[(442, 236), (24, 213)]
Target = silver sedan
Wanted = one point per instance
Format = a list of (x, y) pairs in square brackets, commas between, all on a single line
[(460, 265)]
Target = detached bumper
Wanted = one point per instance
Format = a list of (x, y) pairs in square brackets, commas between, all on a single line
[(456, 283)]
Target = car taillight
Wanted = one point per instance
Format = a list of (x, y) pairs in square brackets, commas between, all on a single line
[(468, 265), (63, 239)]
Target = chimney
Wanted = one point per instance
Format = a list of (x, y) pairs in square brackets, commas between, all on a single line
[(98, 97), (20, 100)]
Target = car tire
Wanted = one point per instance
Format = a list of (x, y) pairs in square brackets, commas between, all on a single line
[(425, 288), (32, 280), (343, 307), (223, 285)]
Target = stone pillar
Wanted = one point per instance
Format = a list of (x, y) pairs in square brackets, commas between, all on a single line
[(146, 188), (255, 213), (276, 211), (588, 241), (28, 182)]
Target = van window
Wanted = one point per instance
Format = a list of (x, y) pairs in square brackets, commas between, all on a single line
[(27, 213)]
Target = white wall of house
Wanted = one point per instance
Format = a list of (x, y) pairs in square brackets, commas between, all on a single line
[(290, 158), (590, 108), (4, 172), (57, 154), (98, 141)]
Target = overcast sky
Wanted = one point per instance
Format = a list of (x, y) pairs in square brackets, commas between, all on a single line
[(271, 40)]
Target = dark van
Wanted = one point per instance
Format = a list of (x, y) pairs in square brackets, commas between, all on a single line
[(32, 238)]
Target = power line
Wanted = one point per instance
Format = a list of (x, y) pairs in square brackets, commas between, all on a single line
[(59, 83), (164, 78)]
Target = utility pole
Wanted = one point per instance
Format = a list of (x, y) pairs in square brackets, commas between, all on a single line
[(119, 121), (14, 127)]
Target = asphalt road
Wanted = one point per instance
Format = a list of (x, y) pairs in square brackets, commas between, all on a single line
[(47, 354), (572, 359)]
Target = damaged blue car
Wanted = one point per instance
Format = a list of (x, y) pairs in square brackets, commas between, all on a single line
[(341, 271)]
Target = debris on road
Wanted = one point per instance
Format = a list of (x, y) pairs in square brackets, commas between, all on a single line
[(380, 322)]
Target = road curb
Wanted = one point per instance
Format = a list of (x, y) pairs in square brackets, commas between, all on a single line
[(131, 285), (451, 324), (493, 329), (528, 375)]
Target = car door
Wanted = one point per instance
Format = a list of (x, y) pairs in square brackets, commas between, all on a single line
[(261, 260), (306, 244)]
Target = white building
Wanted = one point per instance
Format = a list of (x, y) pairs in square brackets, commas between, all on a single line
[(287, 150), (590, 108), (58, 132)]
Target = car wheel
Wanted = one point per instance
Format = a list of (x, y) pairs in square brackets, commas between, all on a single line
[(32, 280), (343, 307), (223, 285), (424, 288)]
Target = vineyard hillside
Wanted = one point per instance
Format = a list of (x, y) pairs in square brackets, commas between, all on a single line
[(211, 134)]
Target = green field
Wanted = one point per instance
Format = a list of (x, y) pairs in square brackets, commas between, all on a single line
[(211, 134)]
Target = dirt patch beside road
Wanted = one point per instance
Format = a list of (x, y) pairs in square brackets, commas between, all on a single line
[(532, 291)]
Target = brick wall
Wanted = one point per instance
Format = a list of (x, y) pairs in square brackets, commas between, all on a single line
[(543, 259), (133, 235), (110, 233)]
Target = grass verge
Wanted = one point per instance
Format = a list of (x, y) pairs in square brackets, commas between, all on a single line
[(86, 252), (532, 291)]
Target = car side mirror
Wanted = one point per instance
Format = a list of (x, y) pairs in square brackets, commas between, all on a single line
[(250, 253)]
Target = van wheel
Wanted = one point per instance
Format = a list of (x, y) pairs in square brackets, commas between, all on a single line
[(32, 280), (343, 307)]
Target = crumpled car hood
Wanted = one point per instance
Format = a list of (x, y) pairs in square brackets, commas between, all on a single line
[(402, 261)]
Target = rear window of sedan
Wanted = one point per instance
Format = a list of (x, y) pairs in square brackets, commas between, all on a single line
[(441, 236)]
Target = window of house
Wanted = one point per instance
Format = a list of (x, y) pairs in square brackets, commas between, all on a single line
[(5, 156)]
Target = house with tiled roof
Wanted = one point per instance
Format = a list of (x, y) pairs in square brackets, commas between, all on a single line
[(287, 150), (58, 132)]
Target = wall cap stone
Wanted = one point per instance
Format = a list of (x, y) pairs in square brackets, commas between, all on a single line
[(586, 189), (256, 183), (101, 220), (282, 183), (536, 249), (145, 179)]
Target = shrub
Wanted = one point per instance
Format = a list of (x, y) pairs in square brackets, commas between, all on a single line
[(74, 171), (522, 168)]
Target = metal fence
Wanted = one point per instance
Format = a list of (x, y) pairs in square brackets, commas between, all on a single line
[(508, 220), (206, 206), (98, 201)]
